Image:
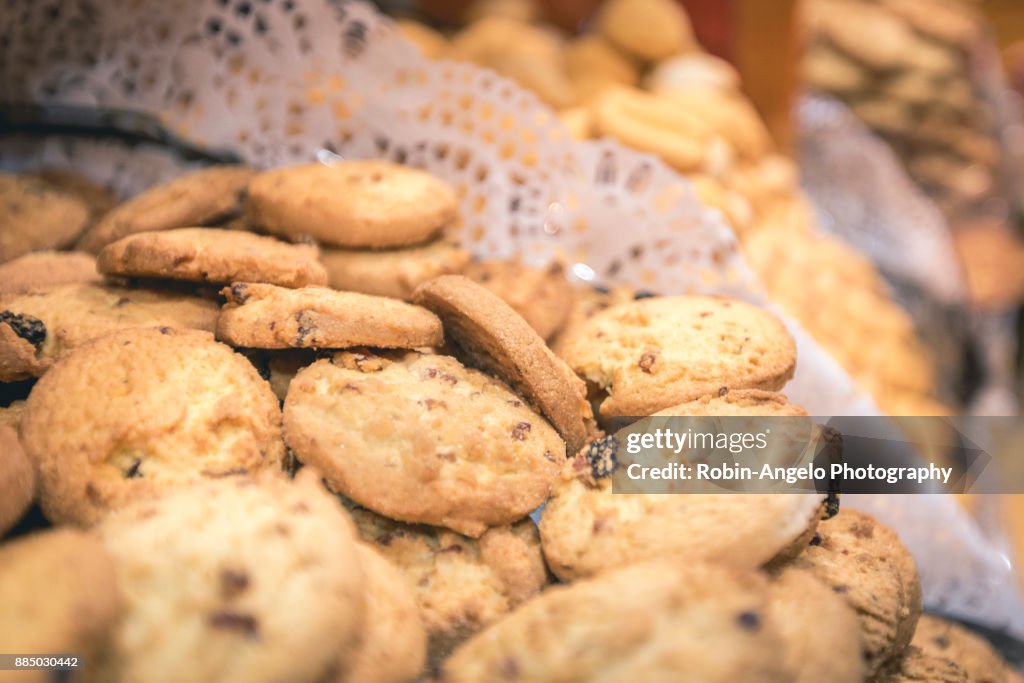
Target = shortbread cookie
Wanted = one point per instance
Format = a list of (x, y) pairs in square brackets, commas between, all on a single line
[(392, 272), (972, 653), (269, 317), (654, 353), (917, 666), (420, 438), (214, 256), (360, 204), (141, 411), (97, 198), (58, 595), (461, 584), (17, 479), (202, 197), (39, 328), (820, 632), (866, 563), (34, 215), (42, 270), (659, 621), (542, 297), (393, 646), (491, 335), (234, 580), (650, 30)]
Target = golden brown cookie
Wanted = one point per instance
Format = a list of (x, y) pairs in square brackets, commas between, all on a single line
[(918, 666), (141, 411), (270, 317), (355, 204), (38, 329), (42, 270), (650, 30), (17, 479), (493, 336), (542, 297), (201, 197), (34, 215), (946, 640), (420, 438), (392, 272), (214, 256)]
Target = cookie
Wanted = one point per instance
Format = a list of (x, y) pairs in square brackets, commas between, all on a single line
[(34, 216), (234, 580), (541, 297), (58, 595), (17, 479), (491, 335), (420, 438), (535, 73), (660, 621), (947, 22), (690, 70), (829, 70), (865, 562), (201, 197), (588, 301), (591, 62), (946, 640), (869, 33), (650, 30), (917, 666), (461, 584), (38, 329), (819, 631), (42, 270), (393, 648), (355, 204), (98, 199), (391, 272), (141, 411), (269, 317), (214, 256), (651, 354)]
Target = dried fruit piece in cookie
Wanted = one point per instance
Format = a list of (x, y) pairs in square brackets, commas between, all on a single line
[(420, 438), (34, 215), (654, 353), (17, 479), (461, 584), (43, 270), (541, 297), (972, 653), (492, 336), (392, 272), (254, 580), (270, 317), (202, 197), (39, 328), (213, 255), (355, 204), (141, 411), (657, 621)]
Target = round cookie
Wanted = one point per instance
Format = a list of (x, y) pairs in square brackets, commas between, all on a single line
[(491, 335), (234, 580), (651, 30), (37, 329), (58, 595), (392, 272), (946, 640), (213, 255), (269, 317), (43, 270), (420, 438), (917, 666), (654, 353), (393, 648), (356, 204), (199, 198), (658, 621), (34, 215), (542, 297), (865, 562), (461, 584), (141, 411), (17, 479)]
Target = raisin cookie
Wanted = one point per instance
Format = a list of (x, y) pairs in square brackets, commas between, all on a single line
[(42, 270), (17, 479), (419, 437), (39, 328), (34, 215), (491, 335), (269, 317), (212, 255), (234, 580), (202, 197), (143, 410), (392, 272), (355, 204), (972, 653), (658, 621), (542, 297), (654, 353), (461, 584)]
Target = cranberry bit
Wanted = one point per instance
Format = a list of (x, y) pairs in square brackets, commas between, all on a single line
[(647, 361)]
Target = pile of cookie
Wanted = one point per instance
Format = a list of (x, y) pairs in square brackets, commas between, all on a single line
[(907, 68), (253, 476)]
